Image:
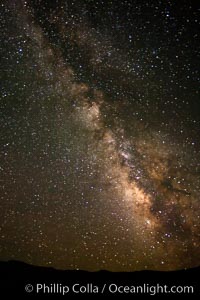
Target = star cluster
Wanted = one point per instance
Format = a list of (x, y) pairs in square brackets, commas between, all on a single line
[(99, 118)]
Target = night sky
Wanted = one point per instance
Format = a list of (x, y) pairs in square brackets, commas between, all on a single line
[(100, 134)]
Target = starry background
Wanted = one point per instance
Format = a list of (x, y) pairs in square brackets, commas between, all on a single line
[(100, 126)]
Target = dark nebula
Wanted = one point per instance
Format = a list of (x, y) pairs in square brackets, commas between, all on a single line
[(100, 126)]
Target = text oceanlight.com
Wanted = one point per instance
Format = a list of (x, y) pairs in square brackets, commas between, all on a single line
[(58, 288)]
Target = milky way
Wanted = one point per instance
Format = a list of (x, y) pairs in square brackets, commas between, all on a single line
[(99, 117)]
